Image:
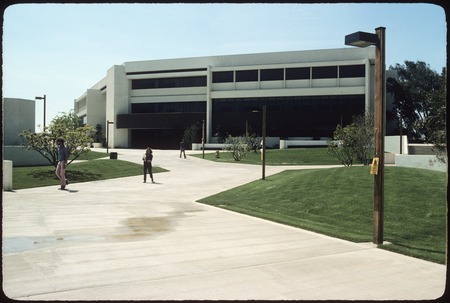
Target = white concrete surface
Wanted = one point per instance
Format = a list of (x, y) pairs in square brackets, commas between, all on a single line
[(7, 175), (122, 239)]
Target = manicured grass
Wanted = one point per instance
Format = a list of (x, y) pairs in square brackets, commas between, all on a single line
[(93, 170), (91, 155), (291, 156), (339, 202)]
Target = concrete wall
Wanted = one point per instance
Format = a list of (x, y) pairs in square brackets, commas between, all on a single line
[(117, 102), (420, 161), (18, 115), (392, 144), (23, 157)]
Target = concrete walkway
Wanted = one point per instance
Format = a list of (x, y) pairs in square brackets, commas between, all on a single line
[(123, 239)]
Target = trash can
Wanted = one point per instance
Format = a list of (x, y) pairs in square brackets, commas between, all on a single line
[(113, 155)]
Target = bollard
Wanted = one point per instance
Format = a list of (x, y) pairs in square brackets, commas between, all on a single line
[(7, 175)]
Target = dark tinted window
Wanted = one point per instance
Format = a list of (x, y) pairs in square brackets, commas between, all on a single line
[(169, 82), (246, 75), (169, 107), (324, 72), (272, 74), (222, 77), (352, 71), (299, 73)]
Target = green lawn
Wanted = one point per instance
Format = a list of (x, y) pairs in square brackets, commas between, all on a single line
[(291, 156), (339, 202), (91, 170)]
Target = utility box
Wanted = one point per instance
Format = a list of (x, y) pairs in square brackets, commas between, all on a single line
[(113, 155)]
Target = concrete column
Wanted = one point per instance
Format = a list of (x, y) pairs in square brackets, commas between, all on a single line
[(7, 175)]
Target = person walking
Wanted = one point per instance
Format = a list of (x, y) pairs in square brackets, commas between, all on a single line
[(63, 156), (147, 158), (183, 148)]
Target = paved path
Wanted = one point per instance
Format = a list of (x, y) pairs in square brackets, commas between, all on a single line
[(122, 239)]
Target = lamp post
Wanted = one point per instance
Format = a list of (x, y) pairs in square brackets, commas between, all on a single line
[(263, 154), (203, 138), (42, 98), (107, 134), (362, 39)]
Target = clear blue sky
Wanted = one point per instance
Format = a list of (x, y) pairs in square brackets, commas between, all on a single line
[(63, 49)]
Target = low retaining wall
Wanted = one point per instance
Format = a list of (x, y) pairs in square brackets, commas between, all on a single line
[(301, 143), (21, 156), (420, 161), (211, 146)]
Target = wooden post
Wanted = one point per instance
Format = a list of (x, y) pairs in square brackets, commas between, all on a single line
[(380, 118)]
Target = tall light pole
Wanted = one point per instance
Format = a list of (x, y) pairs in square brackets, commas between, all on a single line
[(263, 152), (42, 98), (203, 138), (362, 39)]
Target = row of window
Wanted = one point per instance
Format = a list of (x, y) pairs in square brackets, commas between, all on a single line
[(272, 74), (297, 73), (196, 81), (287, 104), (172, 107), (293, 103)]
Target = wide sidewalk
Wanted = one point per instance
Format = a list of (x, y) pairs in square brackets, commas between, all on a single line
[(123, 239)]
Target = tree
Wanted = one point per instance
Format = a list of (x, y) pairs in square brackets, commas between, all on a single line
[(342, 145), (98, 136), (435, 123), (354, 141), (413, 89), (78, 138), (192, 134), (364, 137), (238, 146), (252, 141)]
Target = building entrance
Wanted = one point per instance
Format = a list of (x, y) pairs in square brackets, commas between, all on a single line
[(156, 138)]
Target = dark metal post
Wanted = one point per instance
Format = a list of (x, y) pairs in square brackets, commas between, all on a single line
[(401, 133), (203, 138), (107, 136), (264, 142)]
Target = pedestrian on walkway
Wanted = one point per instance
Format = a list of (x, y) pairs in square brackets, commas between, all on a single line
[(182, 148), (147, 158), (63, 156)]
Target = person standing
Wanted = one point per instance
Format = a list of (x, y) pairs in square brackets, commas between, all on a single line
[(183, 148), (63, 156), (147, 158)]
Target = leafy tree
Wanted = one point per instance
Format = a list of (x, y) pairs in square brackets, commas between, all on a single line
[(354, 141), (238, 146), (98, 136), (435, 123), (364, 137), (413, 92), (252, 141), (192, 134), (342, 145), (77, 138)]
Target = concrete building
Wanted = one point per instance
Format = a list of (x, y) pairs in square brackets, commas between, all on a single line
[(19, 115), (307, 94)]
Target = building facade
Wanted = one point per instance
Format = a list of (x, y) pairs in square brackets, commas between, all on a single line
[(307, 94), (19, 115)]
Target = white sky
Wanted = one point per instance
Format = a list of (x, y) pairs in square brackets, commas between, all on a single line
[(61, 50)]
